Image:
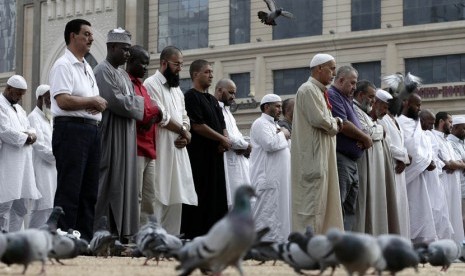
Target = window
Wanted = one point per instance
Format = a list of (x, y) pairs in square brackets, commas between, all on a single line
[(185, 84), (7, 35), (433, 11), (366, 14), (288, 81), (242, 81), (437, 69), (239, 21), (369, 71), (308, 19), (183, 23)]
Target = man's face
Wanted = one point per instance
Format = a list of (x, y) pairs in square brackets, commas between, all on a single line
[(140, 65), (175, 63), (274, 110), (121, 52), (427, 123), (414, 108), (459, 131), (368, 99), (46, 99), (204, 77), (380, 108), (83, 40), (14, 95), (447, 127), (327, 72), (228, 94), (348, 84)]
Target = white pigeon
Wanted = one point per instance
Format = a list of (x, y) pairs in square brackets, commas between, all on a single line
[(357, 252), (443, 253), (226, 243), (398, 253), (268, 18)]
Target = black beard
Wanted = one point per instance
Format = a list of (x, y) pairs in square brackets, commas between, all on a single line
[(171, 78), (412, 114)]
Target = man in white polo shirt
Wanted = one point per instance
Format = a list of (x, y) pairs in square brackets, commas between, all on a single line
[(76, 107)]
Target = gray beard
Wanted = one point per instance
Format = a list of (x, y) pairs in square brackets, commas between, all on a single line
[(48, 113)]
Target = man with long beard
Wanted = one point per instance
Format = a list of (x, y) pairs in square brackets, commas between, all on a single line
[(174, 184)]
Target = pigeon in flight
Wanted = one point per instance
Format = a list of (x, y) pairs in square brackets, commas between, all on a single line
[(268, 18)]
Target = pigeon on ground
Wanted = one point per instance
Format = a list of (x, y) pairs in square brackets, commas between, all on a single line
[(153, 241), (443, 253), (268, 17), (68, 245), (24, 247), (357, 252), (398, 253), (52, 221), (102, 239), (294, 253), (226, 243), (321, 250), (258, 251)]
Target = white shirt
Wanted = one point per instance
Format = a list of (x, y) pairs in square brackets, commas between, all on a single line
[(43, 159), (174, 183), (69, 75), (16, 171)]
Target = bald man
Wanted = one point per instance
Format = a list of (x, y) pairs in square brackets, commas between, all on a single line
[(236, 164)]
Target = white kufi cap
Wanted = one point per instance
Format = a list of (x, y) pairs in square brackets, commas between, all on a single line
[(17, 81), (319, 59), (383, 95), (270, 98), (458, 120), (41, 90)]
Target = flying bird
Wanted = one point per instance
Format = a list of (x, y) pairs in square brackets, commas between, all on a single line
[(268, 18), (400, 87)]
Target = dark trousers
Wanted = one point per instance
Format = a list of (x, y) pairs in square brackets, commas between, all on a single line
[(348, 185), (76, 147)]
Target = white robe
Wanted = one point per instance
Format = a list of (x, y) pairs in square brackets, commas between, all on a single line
[(173, 174), (43, 159), (395, 141), (270, 175), (236, 167), (451, 182), (422, 228), (16, 170)]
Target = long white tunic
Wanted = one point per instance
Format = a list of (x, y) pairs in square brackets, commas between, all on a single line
[(419, 148), (236, 166), (270, 175), (16, 170), (451, 182), (459, 147), (43, 159), (173, 175), (395, 140)]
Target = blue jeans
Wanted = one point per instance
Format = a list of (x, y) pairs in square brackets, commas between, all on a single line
[(76, 147), (348, 184)]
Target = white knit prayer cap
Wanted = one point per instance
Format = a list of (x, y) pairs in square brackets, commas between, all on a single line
[(270, 98), (383, 95), (319, 59), (458, 120), (41, 90), (17, 81)]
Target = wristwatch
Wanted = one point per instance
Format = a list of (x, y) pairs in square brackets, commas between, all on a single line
[(183, 128)]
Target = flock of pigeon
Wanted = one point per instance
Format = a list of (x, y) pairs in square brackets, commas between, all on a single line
[(229, 242)]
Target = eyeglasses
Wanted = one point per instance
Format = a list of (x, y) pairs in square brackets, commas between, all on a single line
[(177, 64), (89, 77)]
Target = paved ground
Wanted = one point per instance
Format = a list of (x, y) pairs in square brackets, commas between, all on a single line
[(90, 266)]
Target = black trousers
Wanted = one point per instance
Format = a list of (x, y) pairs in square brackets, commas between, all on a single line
[(76, 146)]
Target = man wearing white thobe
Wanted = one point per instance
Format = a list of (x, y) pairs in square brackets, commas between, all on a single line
[(270, 170), (174, 184), (449, 174), (422, 227), (236, 164), (44, 161), (17, 181)]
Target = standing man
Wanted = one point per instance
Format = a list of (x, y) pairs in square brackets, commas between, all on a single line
[(422, 228), (315, 185), (17, 181), (76, 107), (44, 162), (209, 142), (270, 169), (350, 142), (174, 184), (288, 114), (236, 163), (118, 190), (136, 68)]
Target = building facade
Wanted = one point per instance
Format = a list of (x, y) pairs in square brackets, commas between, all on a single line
[(378, 37)]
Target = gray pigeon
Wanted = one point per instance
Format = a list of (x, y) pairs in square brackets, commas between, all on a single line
[(226, 243), (268, 17), (294, 253), (443, 253), (153, 241), (357, 252), (398, 253), (68, 246), (52, 221), (321, 250), (27, 246), (102, 239)]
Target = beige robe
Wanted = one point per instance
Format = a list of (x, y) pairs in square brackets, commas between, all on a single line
[(315, 183)]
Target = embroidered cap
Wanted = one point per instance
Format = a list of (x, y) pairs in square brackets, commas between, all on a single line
[(42, 89), (17, 81), (119, 36), (319, 59)]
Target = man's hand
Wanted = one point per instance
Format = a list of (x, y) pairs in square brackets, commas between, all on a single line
[(31, 138), (186, 135), (99, 103), (400, 166), (431, 167), (286, 132), (180, 142), (225, 144)]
